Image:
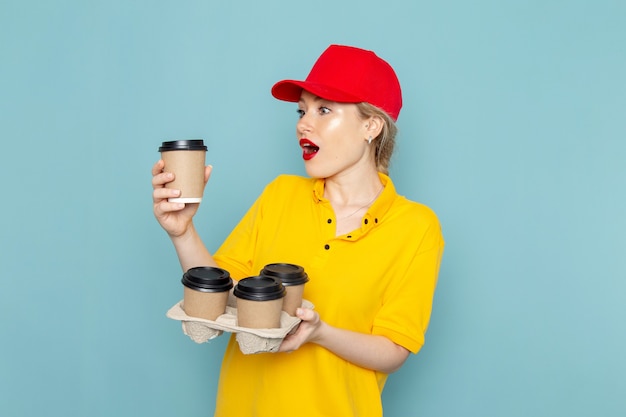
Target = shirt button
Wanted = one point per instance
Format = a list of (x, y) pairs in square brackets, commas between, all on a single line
[(365, 221), (375, 220), (326, 247), (330, 221)]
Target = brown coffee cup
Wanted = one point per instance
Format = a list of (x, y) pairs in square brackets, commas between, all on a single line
[(186, 159), (259, 302), (205, 292), (293, 279)]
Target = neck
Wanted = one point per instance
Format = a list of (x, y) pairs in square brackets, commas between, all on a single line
[(348, 192)]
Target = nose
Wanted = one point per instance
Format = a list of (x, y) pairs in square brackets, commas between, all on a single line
[(303, 127)]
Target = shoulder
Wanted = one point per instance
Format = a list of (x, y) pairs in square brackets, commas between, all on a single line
[(289, 183), (285, 187), (415, 222), (414, 210), (408, 210)]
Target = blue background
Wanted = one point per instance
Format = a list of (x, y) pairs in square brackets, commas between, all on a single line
[(513, 131)]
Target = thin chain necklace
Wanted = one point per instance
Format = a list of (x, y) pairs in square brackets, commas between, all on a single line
[(366, 205)]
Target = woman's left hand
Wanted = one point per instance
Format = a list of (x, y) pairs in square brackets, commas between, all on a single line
[(305, 332)]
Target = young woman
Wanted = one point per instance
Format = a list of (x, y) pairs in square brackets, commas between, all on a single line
[(371, 255)]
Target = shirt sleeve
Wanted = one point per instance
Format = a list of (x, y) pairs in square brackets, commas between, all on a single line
[(407, 303), (243, 250), (237, 252)]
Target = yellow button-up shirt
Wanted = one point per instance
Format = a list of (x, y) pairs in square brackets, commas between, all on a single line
[(378, 279)]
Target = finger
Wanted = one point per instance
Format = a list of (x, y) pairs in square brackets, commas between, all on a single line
[(159, 180), (158, 167), (287, 345), (163, 207), (164, 193), (306, 314), (207, 173)]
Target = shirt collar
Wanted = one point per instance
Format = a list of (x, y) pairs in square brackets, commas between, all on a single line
[(376, 210)]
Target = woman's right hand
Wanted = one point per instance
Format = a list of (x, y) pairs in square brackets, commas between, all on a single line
[(175, 218)]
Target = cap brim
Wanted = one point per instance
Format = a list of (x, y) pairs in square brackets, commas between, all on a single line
[(290, 90)]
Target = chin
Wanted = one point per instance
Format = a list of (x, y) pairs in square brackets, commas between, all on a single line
[(315, 173)]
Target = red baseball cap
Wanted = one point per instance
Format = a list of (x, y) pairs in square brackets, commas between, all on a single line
[(346, 74)]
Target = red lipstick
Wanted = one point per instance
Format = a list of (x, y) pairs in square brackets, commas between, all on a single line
[(309, 149)]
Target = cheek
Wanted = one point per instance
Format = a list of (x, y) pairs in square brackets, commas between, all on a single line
[(334, 126), (341, 132)]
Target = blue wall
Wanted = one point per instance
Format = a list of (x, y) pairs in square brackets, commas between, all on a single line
[(513, 130)]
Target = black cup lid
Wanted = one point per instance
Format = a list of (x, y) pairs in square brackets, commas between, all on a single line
[(207, 279), (289, 274), (183, 145), (260, 288)]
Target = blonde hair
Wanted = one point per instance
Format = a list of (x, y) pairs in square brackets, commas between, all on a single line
[(386, 140)]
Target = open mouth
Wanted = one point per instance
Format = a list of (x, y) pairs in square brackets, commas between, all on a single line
[(309, 149)]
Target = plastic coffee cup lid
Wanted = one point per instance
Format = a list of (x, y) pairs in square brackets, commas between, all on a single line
[(207, 279), (183, 145), (289, 274), (259, 288)]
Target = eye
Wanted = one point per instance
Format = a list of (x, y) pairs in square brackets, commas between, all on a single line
[(324, 110), (300, 113)]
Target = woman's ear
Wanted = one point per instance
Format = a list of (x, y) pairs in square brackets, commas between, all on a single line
[(373, 126)]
